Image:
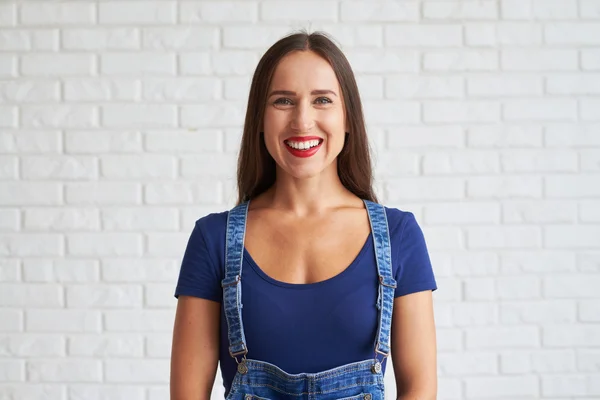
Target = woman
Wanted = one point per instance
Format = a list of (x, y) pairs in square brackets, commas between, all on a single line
[(332, 282)]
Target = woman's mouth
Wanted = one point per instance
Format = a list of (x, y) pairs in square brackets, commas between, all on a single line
[(303, 148)]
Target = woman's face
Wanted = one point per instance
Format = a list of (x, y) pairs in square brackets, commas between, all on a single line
[(304, 121)]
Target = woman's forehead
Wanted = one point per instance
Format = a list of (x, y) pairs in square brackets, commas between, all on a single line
[(304, 68)]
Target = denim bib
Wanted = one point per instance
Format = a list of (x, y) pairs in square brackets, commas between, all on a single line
[(256, 379)]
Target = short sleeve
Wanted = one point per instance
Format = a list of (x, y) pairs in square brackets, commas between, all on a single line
[(413, 272), (198, 276)]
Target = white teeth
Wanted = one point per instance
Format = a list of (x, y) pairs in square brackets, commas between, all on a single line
[(302, 145)]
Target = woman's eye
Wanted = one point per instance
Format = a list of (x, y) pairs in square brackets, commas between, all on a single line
[(283, 101), (323, 100)]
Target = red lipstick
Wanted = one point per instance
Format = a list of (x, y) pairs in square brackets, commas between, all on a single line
[(303, 153)]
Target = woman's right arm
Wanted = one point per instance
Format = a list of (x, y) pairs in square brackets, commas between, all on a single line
[(195, 349)]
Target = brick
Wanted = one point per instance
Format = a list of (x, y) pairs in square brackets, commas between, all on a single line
[(106, 391), (539, 212), (539, 60), (515, 262), (158, 345), (502, 337), (583, 84), (566, 186), (234, 62), (25, 141), (166, 244), (67, 370), (465, 10), (252, 36), (180, 38), (237, 88), (180, 89), (357, 11), (564, 386), (8, 14), (31, 244), (540, 110), (589, 9), (588, 360), (61, 219), (59, 116), (370, 87), (104, 296), (30, 295), (411, 87), (138, 64), (450, 339), (588, 261), (505, 387), (589, 160), (8, 66), (138, 167), (140, 270), (589, 311), (10, 270), (503, 34), (461, 111), (103, 193), (589, 211), (294, 10), (56, 65), (590, 59), (465, 263), (571, 286), (62, 321), (589, 109), (32, 345), (518, 288), (475, 314), (139, 320), (100, 89), (158, 295), (504, 85), (460, 60), (375, 62), (137, 371), (195, 64), (11, 320), (425, 189), (144, 219), (12, 370), (503, 237), (15, 40), (8, 117), (104, 244), (106, 346), (538, 312), (361, 36), (571, 336), (183, 141), (572, 135), (14, 391), (9, 168), (461, 364), (463, 162), (133, 12), (423, 35), (567, 33), (29, 193), (139, 115), (203, 192), (222, 11), (539, 161), (64, 13), (61, 270), (59, 168), (208, 165), (94, 142), (29, 91), (395, 164), (100, 39), (211, 115), (443, 238)]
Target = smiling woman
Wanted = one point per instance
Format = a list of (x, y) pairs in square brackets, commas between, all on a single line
[(331, 282)]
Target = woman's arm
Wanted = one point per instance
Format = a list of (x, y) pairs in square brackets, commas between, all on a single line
[(414, 347), (195, 350)]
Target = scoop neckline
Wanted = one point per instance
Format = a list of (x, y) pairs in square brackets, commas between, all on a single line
[(248, 258)]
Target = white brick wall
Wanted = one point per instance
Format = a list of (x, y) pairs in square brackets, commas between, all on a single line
[(119, 126)]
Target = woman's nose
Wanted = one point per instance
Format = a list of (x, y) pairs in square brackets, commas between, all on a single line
[(303, 118)]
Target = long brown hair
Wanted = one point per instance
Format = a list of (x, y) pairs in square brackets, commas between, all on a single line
[(256, 167)]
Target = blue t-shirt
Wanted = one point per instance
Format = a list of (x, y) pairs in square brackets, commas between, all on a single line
[(305, 327)]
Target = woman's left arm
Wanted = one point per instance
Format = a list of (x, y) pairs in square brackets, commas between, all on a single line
[(414, 349)]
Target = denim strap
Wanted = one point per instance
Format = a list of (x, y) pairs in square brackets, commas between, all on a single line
[(232, 284), (387, 284)]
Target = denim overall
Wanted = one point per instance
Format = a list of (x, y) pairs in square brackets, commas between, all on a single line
[(261, 380)]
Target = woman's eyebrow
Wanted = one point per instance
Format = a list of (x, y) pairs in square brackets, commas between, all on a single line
[(290, 93)]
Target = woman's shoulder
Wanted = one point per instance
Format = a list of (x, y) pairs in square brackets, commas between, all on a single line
[(399, 220)]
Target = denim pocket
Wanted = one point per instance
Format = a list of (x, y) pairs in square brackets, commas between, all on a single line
[(254, 397), (362, 396)]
